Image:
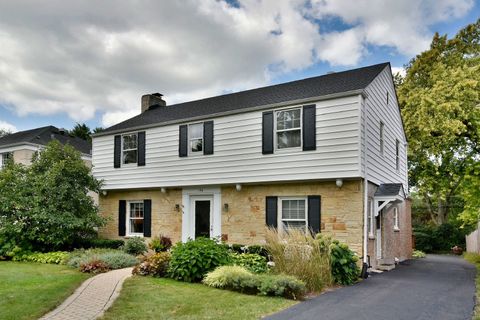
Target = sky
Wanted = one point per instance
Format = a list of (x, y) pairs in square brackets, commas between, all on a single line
[(63, 62)]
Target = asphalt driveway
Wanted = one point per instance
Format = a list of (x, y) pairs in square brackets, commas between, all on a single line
[(437, 287)]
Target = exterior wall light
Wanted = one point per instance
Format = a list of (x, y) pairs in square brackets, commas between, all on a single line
[(339, 183), (163, 190), (238, 186), (104, 192), (177, 207), (225, 207)]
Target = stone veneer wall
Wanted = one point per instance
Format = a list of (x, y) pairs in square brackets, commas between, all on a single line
[(244, 222), (23, 156), (165, 220)]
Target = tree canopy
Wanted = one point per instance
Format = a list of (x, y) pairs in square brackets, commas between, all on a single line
[(83, 131), (46, 206), (440, 103)]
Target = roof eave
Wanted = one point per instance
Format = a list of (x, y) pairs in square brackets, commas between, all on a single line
[(238, 111)]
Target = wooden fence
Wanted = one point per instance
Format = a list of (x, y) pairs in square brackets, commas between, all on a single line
[(473, 240)]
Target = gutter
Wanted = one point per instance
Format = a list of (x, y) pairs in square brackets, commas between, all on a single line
[(37, 146), (233, 112)]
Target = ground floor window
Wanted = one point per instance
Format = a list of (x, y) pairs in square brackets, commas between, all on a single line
[(135, 216), (293, 213), (396, 224), (6, 157)]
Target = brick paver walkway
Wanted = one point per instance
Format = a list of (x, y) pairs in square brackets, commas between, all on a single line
[(92, 298)]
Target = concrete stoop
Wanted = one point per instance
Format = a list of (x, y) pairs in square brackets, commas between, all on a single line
[(386, 267)]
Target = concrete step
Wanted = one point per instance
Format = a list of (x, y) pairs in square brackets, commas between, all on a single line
[(386, 267)]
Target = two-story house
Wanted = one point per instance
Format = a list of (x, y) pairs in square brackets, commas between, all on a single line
[(326, 154), (21, 146)]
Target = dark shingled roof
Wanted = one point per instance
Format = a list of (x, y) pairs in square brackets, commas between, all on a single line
[(43, 136), (389, 189), (332, 83)]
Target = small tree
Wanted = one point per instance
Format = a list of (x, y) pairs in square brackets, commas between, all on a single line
[(46, 206)]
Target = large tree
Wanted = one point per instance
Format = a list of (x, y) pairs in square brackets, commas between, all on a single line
[(439, 98), (47, 206), (81, 131)]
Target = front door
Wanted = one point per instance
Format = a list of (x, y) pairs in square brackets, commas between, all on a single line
[(202, 207), (378, 235)]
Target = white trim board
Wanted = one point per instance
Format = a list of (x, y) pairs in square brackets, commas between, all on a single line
[(188, 225)]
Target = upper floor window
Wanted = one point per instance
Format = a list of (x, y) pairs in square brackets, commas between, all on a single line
[(382, 141), (397, 155), (135, 218), (289, 128), (129, 148), (195, 137), (293, 213), (6, 157), (396, 223)]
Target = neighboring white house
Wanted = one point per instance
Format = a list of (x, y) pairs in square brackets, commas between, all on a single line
[(21, 146), (326, 153)]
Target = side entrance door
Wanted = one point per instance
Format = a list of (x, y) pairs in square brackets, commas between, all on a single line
[(378, 234), (202, 213)]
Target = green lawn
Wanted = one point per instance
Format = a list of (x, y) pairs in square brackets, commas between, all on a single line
[(29, 290), (157, 298)]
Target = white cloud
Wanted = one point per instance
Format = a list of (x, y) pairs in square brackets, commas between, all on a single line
[(7, 126), (84, 58), (400, 70)]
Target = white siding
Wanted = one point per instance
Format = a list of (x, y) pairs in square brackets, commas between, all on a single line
[(238, 154), (381, 168)]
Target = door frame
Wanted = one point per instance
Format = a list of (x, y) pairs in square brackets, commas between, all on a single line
[(194, 199), (188, 215)]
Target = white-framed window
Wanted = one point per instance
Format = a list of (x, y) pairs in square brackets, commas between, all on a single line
[(288, 128), (293, 213), (396, 222), (195, 138), (135, 216), (129, 148), (397, 154), (371, 218), (382, 138), (6, 156)]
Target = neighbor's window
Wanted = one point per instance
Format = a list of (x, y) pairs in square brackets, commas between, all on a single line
[(397, 155), (135, 218), (395, 219), (195, 137), (370, 218), (289, 128), (129, 148), (7, 156), (293, 213), (382, 142)]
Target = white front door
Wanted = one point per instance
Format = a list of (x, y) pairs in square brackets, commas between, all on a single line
[(378, 235), (202, 209)]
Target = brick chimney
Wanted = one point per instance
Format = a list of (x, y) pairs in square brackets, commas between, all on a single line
[(152, 100)]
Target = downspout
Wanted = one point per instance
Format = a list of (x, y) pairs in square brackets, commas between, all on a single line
[(365, 185)]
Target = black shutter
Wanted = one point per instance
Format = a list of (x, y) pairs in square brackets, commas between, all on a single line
[(183, 141), (314, 214), (309, 128), (147, 218), (122, 216), (141, 148), (267, 132), (117, 149), (208, 137), (271, 211)]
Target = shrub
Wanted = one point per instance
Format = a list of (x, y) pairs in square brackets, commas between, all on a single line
[(117, 259), (256, 249), (159, 244), (281, 285), (251, 261), (155, 265), (113, 259), (193, 259), (298, 254), (441, 238), (240, 279), (344, 263), (417, 254), (135, 246), (103, 243), (94, 266), (56, 257)]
